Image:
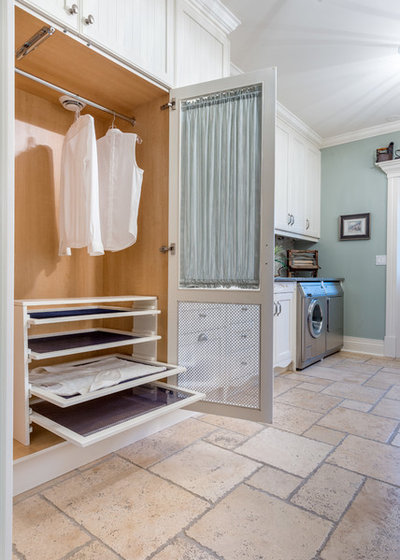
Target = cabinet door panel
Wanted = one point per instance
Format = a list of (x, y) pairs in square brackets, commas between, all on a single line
[(313, 192), (283, 323), (103, 30), (58, 10), (296, 183), (282, 139)]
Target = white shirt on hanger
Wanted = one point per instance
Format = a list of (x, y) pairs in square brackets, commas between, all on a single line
[(120, 183), (79, 196)]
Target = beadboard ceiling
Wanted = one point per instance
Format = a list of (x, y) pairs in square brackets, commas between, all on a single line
[(338, 60)]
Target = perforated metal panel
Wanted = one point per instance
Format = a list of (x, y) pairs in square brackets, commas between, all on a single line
[(219, 344)]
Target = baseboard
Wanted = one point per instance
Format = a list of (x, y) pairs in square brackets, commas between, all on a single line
[(364, 345), (40, 467)]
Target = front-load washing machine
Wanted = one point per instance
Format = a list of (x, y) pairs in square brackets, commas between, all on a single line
[(311, 323)]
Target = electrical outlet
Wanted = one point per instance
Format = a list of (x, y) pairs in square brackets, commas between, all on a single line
[(380, 260)]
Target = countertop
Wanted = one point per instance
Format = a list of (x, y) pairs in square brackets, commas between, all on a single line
[(306, 279)]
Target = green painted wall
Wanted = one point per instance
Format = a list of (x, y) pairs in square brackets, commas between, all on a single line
[(351, 184)]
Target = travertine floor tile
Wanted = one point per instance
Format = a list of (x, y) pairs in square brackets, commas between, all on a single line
[(129, 509), (381, 361), (311, 387), (369, 458), (329, 491), (301, 377), (237, 528), (393, 367), (359, 423), (275, 482), (289, 452), (293, 419), (162, 444), (354, 392), (396, 440), (42, 532), (281, 384), (361, 367), (183, 549), (336, 374), (309, 400), (94, 551), (394, 393), (356, 405), (354, 356), (388, 407), (333, 437), (370, 528), (384, 379), (332, 360), (205, 469), (243, 427), (226, 439)]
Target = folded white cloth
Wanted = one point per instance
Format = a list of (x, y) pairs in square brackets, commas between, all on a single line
[(66, 380)]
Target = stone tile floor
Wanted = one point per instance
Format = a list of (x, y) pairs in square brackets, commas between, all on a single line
[(322, 483)]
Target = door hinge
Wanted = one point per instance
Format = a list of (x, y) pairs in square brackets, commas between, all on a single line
[(170, 105), (165, 249)]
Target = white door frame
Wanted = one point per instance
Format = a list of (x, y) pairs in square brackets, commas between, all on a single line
[(392, 328), (6, 269)]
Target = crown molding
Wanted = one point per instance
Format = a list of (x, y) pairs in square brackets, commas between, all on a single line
[(390, 167), (235, 70), (361, 134), (300, 126), (218, 13)]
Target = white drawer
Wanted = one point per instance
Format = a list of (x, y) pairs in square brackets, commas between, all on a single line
[(240, 338), (196, 317), (243, 313)]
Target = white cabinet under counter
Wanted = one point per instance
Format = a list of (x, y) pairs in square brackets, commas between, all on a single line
[(284, 326)]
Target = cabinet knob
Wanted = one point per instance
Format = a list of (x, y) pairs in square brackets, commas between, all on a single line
[(89, 20), (243, 336), (73, 9), (245, 308), (289, 221), (202, 315), (243, 363), (202, 338)]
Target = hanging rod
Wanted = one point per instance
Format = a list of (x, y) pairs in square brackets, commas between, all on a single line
[(131, 120)]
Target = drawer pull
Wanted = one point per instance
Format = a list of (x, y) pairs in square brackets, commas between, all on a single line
[(245, 308), (243, 363), (202, 338), (202, 315), (243, 336)]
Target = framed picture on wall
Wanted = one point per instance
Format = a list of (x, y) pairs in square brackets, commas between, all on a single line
[(354, 226)]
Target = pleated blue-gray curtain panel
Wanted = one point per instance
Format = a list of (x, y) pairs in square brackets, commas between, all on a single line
[(221, 190)]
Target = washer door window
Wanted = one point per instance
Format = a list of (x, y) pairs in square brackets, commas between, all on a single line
[(315, 318)]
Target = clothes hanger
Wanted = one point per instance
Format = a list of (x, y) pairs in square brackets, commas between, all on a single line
[(138, 138)]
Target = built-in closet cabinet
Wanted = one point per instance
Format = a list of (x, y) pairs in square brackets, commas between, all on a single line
[(202, 50), (138, 32), (297, 184)]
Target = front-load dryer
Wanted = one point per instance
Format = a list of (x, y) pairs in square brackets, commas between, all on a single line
[(311, 323)]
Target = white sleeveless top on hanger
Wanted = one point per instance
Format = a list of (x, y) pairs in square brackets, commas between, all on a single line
[(79, 192), (120, 183)]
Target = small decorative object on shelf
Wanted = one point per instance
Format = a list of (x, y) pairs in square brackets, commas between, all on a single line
[(354, 226), (384, 154), (302, 262)]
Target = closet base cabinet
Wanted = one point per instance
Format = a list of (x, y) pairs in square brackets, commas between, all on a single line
[(102, 402), (284, 326)]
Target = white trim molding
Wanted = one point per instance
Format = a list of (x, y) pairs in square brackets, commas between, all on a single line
[(218, 13), (300, 126), (392, 327), (6, 270), (361, 134), (363, 345)]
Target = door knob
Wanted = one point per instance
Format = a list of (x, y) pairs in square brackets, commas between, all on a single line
[(89, 20)]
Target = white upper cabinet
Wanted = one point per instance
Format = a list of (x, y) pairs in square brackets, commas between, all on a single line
[(65, 12), (139, 31), (297, 184), (202, 51)]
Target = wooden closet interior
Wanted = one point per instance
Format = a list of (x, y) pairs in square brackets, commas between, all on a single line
[(41, 123)]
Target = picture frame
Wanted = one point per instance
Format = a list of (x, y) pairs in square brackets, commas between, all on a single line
[(354, 227)]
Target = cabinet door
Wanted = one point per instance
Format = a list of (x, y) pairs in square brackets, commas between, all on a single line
[(221, 222), (297, 167), (139, 31), (313, 192), (282, 218), (283, 327), (60, 10), (202, 51)]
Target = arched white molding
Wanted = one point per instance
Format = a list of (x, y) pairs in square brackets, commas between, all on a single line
[(392, 330)]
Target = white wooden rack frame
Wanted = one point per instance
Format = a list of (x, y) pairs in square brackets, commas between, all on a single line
[(80, 419)]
